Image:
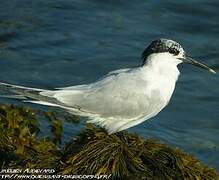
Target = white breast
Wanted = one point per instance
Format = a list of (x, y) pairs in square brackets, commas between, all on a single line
[(161, 77), (123, 98), (162, 73)]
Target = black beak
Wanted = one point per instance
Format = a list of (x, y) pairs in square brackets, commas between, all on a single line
[(189, 60)]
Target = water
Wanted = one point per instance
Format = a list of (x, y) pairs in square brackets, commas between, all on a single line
[(56, 43)]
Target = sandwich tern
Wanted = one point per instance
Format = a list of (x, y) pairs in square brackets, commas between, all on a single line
[(123, 98)]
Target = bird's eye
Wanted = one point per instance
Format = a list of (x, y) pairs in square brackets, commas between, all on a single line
[(174, 51)]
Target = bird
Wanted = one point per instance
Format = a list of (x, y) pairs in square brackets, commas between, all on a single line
[(122, 98)]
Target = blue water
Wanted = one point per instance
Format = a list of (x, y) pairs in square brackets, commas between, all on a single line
[(54, 43)]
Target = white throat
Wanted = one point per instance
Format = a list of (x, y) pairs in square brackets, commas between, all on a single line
[(163, 64)]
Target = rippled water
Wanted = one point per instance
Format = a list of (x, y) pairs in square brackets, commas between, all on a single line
[(56, 43)]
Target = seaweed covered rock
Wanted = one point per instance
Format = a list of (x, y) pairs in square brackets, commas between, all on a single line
[(122, 155), (127, 156), (19, 145)]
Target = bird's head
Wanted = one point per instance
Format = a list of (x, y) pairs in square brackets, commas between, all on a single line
[(173, 51)]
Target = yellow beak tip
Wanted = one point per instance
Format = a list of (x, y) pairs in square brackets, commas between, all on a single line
[(212, 71)]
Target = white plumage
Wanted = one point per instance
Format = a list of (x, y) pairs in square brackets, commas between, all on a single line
[(121, 99)]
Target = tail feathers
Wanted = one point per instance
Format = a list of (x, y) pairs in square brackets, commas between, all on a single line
[(20, 90), (40, 96)]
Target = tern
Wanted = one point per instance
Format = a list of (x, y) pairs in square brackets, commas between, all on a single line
[(123, 98)]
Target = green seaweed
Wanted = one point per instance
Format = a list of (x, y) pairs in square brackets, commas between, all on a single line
[(127, 156), (122, 155), (19, 144)]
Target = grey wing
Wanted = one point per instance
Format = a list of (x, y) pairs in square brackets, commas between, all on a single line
[(116, 102), (113, 96)]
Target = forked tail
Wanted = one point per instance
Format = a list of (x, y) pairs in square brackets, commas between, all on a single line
[(33, 95)]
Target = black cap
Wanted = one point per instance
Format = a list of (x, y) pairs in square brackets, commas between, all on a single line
[(159, 46)]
